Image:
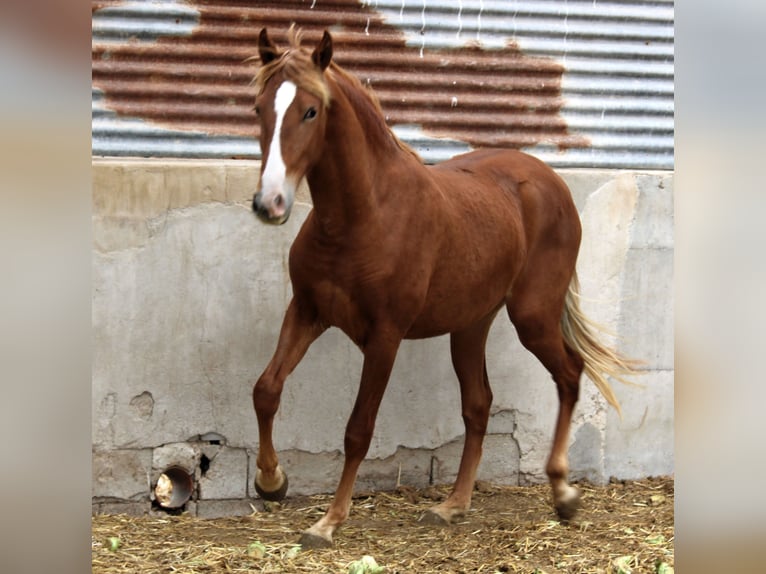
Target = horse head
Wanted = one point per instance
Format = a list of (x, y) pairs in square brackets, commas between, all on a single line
[(291, 104)]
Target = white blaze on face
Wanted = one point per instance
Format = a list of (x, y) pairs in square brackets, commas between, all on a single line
[(273, 180)]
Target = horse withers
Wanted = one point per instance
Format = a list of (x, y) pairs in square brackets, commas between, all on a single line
[(394, 250)]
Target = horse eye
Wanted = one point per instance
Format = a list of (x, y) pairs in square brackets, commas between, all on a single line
[(257, 111), (310, 114)]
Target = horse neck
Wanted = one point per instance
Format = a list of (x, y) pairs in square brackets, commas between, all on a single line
[(347, 183)]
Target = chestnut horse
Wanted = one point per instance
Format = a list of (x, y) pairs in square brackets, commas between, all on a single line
[(394, 249)]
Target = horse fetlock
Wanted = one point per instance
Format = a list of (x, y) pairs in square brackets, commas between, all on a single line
[(273, 486)]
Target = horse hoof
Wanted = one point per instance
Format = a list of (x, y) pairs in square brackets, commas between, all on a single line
[(275, 495), (310, 540), (433, 518), (568, 507)]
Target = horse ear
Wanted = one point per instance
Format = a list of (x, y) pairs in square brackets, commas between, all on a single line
[(266, 48), (323, 52)]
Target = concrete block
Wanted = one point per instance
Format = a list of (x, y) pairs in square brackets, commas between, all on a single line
[(407, 467), (226, 475), (121, 474), (501, 421), (500, 460), (183, 454)]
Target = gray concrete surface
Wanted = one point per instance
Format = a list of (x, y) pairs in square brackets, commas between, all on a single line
[(188, 296)]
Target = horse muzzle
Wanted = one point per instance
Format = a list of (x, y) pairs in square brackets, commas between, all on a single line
[(273, 208)]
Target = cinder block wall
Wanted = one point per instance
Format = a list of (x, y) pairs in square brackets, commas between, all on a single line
[(188, 295)]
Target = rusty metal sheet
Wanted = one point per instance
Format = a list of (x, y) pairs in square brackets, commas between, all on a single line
[(577, 83)]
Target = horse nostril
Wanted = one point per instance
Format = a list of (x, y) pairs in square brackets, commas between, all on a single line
[(270, 208), (258, 208)]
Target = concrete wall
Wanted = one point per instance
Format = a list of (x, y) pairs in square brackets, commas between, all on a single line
[(188, 296)]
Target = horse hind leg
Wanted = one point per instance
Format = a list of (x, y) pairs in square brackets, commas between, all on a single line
[(467, 350), (536, 314)]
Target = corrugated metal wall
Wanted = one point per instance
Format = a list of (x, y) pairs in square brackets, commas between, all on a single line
[(577, 83)]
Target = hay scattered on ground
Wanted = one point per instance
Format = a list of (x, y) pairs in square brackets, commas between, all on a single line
[(623, 527)]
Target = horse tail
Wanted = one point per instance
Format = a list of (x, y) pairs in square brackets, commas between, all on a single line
[(600, 361)]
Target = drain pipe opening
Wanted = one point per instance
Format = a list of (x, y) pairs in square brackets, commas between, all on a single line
[(174, 488)]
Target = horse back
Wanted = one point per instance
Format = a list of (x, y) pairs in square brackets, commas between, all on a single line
[(523, 190), (497, 213)]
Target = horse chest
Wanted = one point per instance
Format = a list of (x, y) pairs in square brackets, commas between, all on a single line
[(321, 284), (337, 306)]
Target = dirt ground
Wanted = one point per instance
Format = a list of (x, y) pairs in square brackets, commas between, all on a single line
[(624, 527)]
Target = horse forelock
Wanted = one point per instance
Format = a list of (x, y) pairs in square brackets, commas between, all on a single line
[(296, 65)]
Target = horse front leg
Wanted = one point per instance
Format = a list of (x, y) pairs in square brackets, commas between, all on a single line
[(299, 330), (379, 355)]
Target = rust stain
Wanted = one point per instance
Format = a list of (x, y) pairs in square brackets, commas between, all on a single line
[(486, 98)]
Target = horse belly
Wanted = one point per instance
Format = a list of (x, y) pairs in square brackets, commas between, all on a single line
[(471, 279), (454, 306)]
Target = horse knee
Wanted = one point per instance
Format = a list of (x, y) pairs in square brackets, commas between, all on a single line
[(356, 441), (476, 412), (266, 394)]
